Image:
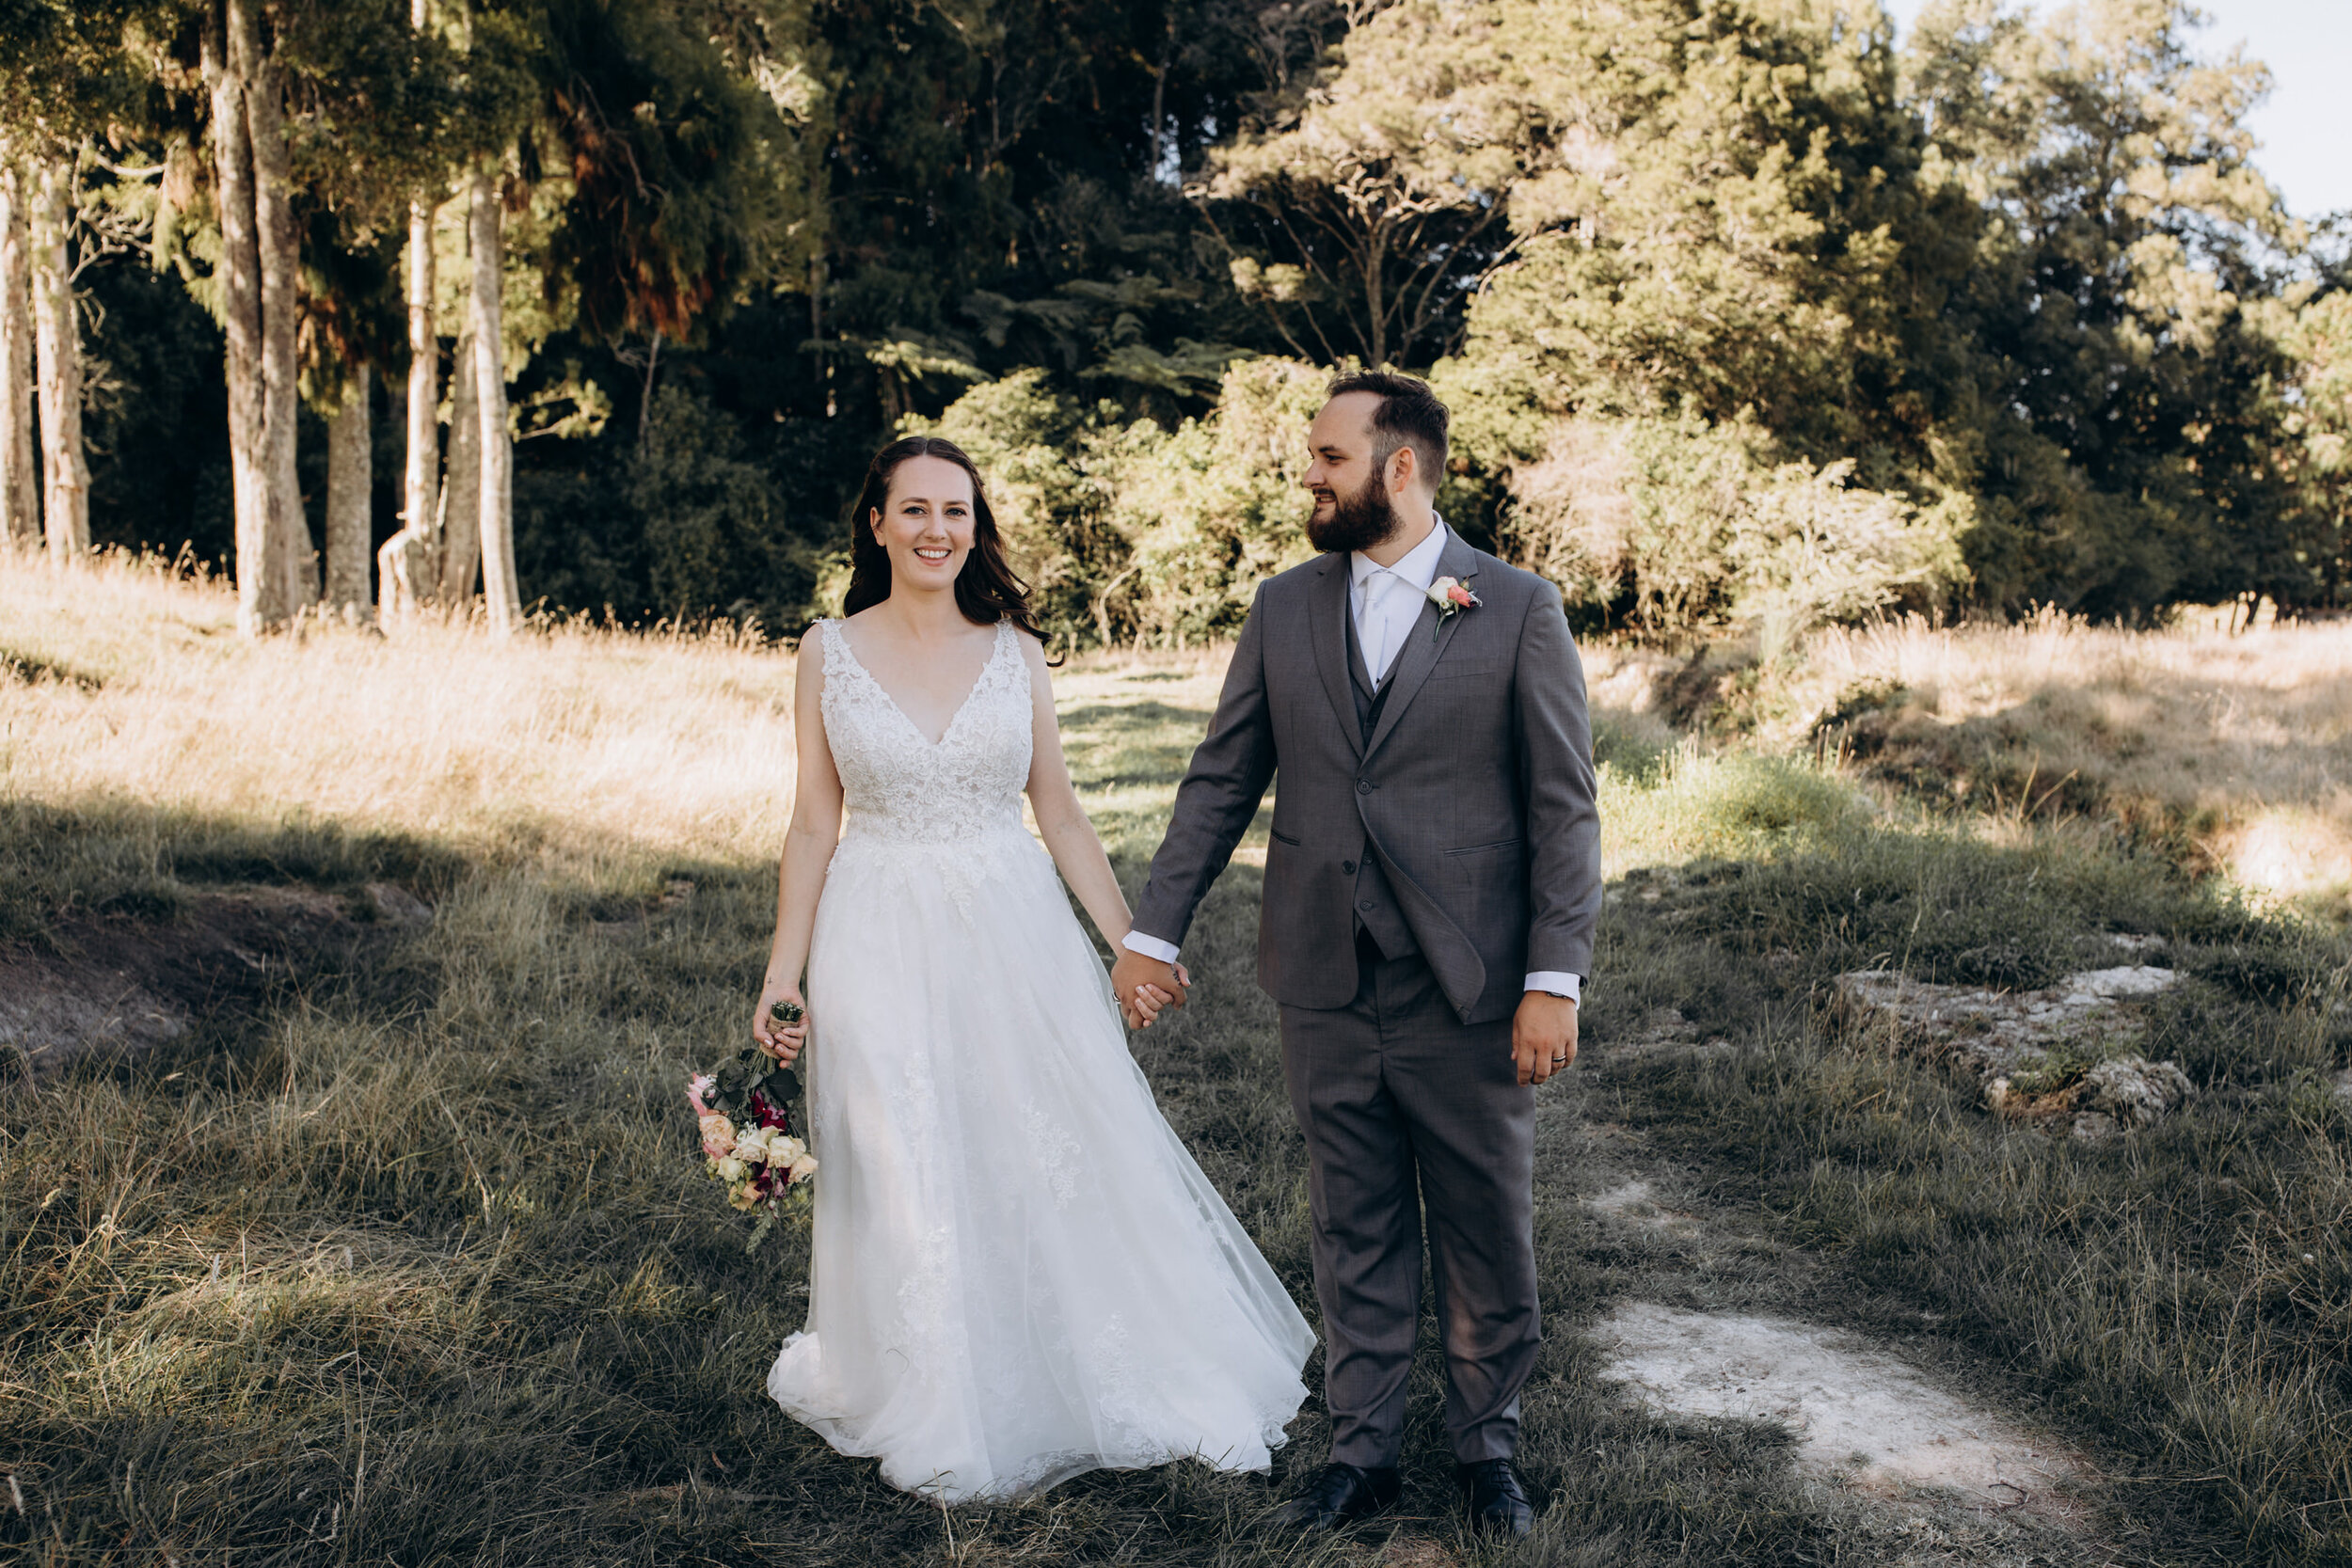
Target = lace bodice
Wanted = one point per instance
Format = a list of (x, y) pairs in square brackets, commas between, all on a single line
[(900, 786)]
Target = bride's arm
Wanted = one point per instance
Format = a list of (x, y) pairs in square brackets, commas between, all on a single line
[(1061, 821), (808, 846)]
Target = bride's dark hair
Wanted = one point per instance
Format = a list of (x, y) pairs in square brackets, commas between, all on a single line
[(986, 590)]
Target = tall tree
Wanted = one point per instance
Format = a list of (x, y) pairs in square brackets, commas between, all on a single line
[(253, 186), (495, 496), (1715, 193), (20, 482), (421, 460), (58, 332), (2118, 428), (1376, 199), (350, 484), (63, 76)]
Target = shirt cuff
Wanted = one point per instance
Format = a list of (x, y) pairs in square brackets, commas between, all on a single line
[(1569, 986), (1152, 947)]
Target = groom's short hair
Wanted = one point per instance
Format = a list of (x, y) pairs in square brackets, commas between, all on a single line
[(1408, 414)]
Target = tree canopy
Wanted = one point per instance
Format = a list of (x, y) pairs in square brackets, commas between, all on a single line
[(1749, 318)]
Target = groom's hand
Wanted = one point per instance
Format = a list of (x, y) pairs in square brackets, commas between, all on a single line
[(1144, 985), (1543, 1036)]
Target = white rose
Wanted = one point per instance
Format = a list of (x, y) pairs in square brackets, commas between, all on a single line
[(730, 1169), (802, 1168)]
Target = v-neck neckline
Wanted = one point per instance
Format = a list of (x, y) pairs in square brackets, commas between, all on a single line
[(995, 650)]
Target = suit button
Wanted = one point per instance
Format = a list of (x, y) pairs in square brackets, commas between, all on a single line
[(1348, 867), (1367, 906), (1363, 786)]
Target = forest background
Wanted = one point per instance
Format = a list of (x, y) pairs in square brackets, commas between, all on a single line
[(1750, 321)]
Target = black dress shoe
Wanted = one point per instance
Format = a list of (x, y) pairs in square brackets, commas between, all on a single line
[(1497, 1504), (1338, 1496)]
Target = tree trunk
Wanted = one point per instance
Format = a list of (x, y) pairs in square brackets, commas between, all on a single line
[(279, 247), (20, 482), (461, 490), (409, 565), (489, 372), (421, 478), (350, 482), (65, 474), (262, 576)]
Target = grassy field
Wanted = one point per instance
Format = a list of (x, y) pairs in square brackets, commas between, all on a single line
[(400, 1253)]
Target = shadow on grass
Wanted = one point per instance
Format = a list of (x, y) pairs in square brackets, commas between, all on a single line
[(113, 856), (432, 1273), (33, 668)]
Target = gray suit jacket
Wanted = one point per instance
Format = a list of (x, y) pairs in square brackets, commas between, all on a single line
[(1475, 793)]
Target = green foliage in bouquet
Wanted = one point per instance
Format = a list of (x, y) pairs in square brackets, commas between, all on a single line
[(744, 1110), (755, 1071)]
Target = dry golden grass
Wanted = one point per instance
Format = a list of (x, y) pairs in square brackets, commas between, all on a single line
[(579, 739), (2243, 739), (569, 738), (2232, 748)]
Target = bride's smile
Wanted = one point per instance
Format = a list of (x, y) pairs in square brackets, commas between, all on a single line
[(926, 528)]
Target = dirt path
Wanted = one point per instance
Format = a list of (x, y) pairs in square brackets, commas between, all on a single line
[(1910, 1449)]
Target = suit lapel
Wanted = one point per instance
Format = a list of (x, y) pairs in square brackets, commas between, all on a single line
[(1418, 656), (1327, 624)]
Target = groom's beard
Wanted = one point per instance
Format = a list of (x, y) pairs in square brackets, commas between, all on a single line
[(1359, 521)]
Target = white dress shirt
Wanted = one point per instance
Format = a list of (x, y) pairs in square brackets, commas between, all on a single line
[(1387, 600), (1386, 603)]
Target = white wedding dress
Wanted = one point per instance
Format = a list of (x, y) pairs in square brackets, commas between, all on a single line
[(1018, 1272)]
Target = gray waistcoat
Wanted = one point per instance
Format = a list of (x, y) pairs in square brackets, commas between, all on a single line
[(1376, 904)]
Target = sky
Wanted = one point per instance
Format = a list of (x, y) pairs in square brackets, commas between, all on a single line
[(2305, 126)]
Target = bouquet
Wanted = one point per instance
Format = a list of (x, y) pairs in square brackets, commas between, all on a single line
[(747, 1134)]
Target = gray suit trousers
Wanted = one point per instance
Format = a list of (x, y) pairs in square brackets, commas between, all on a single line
[(1408, 1110)]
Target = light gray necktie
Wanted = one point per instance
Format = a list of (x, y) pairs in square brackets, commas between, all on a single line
[(1376, 590)]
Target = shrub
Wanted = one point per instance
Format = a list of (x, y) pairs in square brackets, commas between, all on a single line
[(1685, 529), (1130, 532)]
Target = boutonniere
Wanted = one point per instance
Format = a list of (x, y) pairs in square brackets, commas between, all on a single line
[(1452, 595)]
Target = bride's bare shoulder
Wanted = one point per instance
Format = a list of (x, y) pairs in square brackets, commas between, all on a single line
[(1032, 650)]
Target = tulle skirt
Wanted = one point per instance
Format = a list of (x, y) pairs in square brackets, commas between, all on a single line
[(1018, 1272)]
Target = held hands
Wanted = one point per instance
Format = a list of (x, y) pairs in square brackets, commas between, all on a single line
[(1543, 1036), (782, 1041), (1144, 985)]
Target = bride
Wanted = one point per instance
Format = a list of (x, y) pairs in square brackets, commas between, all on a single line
[(1018, 1272)]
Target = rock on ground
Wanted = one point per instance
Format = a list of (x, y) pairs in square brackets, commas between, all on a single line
[(2030, 1050)]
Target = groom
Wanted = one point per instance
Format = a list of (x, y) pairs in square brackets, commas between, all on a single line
[(1430, 893)]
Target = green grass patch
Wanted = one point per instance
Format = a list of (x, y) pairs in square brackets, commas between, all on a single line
[(416, 1264), (2178, 1300)]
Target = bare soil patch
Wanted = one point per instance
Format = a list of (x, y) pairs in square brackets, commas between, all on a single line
[(1716, 1321), (123, 986), (1859, 1414)]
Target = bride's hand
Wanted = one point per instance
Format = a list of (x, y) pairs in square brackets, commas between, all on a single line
[(782, 1041), (1150, 999)]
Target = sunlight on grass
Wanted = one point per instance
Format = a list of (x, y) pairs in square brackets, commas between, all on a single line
[(1700, 804), (2239, 742), (413, 1261), (563, 739)]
